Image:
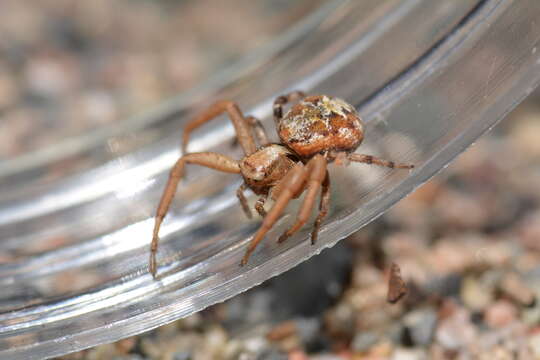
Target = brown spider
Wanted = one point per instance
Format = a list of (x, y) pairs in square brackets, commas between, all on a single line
[(314, 132)]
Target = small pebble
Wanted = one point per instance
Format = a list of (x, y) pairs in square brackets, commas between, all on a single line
[(409, 354), (497, 352), (461, 210), (381, 350), (215, 340), (476, 295), (456, 331), (534, 345), (255, 344), (132, 357), (500, 314), (273, 354), (363, 341), (309, 330), (340, 320), (531, 315), (183, 355), (529, 231), (513, 286), (448, 257), (282, 331), (326, 357), (524, 133), (420, 325), (124, 346), (102, 352)]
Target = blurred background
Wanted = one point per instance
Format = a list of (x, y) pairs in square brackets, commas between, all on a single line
[(467, 242), (67, 67)]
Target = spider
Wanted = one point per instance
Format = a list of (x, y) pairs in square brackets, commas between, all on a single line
[(314, 132)]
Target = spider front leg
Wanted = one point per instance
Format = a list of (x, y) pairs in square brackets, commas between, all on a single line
[(208, 159), (324, 205), (316, 168), (292, 184), (238, 120)]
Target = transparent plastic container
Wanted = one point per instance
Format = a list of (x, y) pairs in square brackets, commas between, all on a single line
[(428, 77)]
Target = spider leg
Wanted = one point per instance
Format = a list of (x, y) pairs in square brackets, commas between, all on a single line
[(237, 118), (282, 100), (212, 160), (293, 183), (369, 159), (259, 206), (258, 130), (243, 200), (324, 204), (316, 168)]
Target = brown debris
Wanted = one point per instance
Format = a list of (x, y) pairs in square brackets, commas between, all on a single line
[(397, 289)]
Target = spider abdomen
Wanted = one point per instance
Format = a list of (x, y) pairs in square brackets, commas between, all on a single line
[(321, 123)]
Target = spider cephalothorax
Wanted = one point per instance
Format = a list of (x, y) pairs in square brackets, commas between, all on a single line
[(265, 167), (315, 131)]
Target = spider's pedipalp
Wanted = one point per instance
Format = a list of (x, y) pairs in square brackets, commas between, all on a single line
[(259, 205)]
